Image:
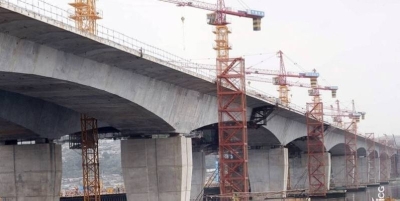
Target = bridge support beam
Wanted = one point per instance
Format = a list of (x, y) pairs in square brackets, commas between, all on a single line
[(268, 170), (299, 173), (30, 172), (157, 169), (198, 175), (362, 170)]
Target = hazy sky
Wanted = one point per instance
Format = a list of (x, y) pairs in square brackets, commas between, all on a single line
[(354, 44)]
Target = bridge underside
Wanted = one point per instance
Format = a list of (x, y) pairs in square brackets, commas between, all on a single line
[(120, 113)]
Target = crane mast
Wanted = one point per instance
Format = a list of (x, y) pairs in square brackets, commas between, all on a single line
[(85, 15), (283, 88)]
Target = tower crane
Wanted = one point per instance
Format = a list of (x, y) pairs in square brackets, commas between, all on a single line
[(280, 80), (339, 114), (231, 96), (313, 92), (85, 16)]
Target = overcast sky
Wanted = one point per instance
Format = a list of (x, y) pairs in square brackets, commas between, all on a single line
[(354, 44)]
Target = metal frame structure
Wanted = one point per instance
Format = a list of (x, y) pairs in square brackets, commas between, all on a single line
[(283, 88), (371, 156), (383, 162), (85, 15), (316, 148), (232, 126), (90, 158), (350, 141)]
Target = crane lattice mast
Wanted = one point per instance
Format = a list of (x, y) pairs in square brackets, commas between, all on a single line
[(85, 15)]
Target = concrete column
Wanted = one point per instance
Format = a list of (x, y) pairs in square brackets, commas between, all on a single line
[(30, 172), (298, 169), (157, 169), (198, 175), (338, 171), (268, 170), (362, 165)]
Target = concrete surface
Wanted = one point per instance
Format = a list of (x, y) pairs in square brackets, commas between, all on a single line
[(30, 172), (157, 169), (268, 170), (198, 175), (298, 170), (362, 170), (338, 170)]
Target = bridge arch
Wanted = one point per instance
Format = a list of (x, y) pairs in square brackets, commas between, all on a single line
[(361, 152), (339, 149)]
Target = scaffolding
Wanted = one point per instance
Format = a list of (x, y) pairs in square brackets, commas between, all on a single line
[(232, 126), (351, 155), (371, 156), (384, 160), (87, 141), (316, 149)]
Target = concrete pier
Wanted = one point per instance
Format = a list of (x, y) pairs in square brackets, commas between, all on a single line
[(157, 169), (362, 165), (30, 172), (198, 175), (268, 169), (298, 170), (338, 171)]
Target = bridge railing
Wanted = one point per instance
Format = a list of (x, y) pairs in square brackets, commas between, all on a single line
[(41, 10)]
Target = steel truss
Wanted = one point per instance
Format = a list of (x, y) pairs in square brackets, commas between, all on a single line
[(90, 159), (232, 126), (351, 155), (371, 156), (383, 162), (85, 15), (316, 149)]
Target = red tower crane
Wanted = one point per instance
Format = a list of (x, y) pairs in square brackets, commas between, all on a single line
[(281, 76), (231, 96)]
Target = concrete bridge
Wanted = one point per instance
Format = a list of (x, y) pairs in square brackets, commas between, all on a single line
[(51, 73)]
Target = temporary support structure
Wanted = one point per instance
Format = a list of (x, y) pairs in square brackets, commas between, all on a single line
[(87, 141), (316, 149), (232, 126), (90, 159), (351, 155), (384, 160), (371, 157)]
